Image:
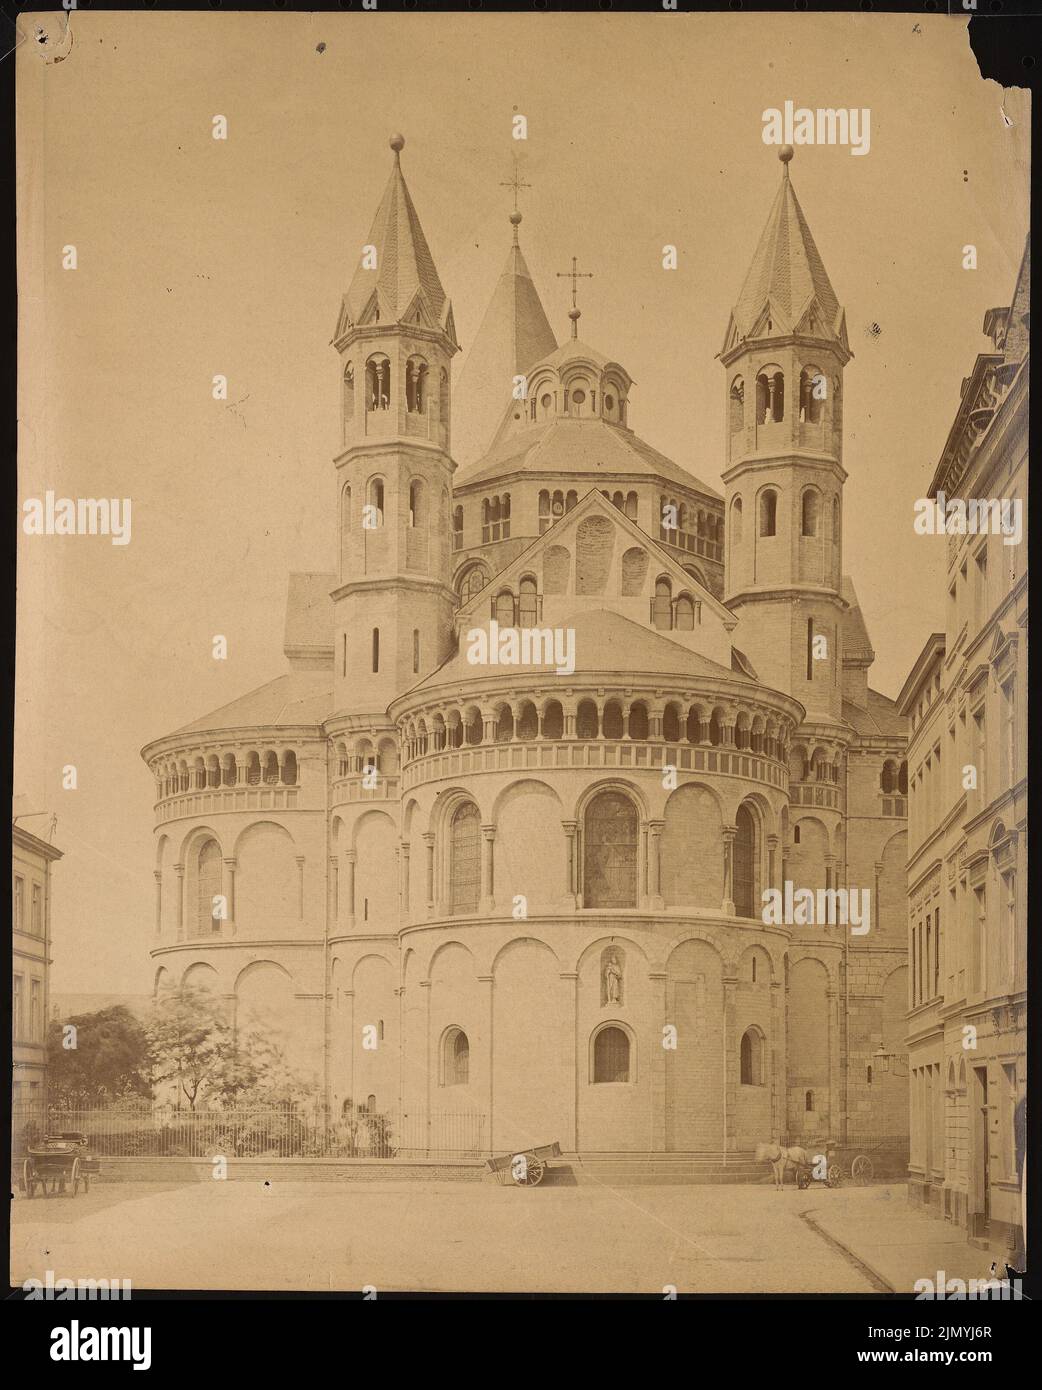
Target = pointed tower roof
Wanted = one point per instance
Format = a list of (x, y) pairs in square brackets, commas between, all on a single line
[(787, 274), (405, 270), (514, 334)]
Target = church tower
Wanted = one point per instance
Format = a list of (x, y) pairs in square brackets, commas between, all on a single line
[(396, 339), (784, 354)]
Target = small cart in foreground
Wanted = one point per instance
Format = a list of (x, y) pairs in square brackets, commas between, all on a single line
[(524, 1168), (63, 1160)]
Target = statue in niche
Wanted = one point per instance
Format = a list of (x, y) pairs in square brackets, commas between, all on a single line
[(611, 977)]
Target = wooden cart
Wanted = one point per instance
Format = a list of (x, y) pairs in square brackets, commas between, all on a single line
[(63, 1160), (524, 1168)]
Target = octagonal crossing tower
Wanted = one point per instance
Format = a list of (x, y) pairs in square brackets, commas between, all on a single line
[(784, 353), (395, 335)]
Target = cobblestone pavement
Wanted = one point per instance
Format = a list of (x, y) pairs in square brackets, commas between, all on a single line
[(477, 1236)]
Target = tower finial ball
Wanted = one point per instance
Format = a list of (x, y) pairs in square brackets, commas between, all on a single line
[(397, 143), (515, 218), (785, 153)]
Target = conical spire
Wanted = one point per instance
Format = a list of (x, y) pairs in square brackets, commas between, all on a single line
[(404, 265), (514, 334), (787, 272)]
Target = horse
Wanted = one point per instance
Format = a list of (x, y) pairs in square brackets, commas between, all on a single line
[(780, 1158)]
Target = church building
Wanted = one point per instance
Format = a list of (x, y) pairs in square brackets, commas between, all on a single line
[(506, 898)]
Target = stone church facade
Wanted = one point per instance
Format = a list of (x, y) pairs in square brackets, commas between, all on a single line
[(532, 894)]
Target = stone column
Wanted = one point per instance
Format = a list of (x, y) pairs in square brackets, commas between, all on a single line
[(179, 870), (300, 876), (428, 840), (158, 876), (572, 1071), (835, 1095), (570, 716), (874, 919), (488, 900), (655, 717), (643, 875), (779, 1079), (228, 889), (352, 1042), (570, 868), (731, 1063), (657, 1059), (430, 1062), (404, 889), (727, 906), (347, 905), (486, 1015), (655, 828), (334, 893), (772, 860)]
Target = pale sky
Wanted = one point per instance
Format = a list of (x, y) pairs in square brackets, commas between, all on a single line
[(198, 257)]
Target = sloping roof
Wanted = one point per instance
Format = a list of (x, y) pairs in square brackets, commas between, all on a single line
[(880, 719), (786, 270), (299, 697), (514, 334), (605, 641), (404, 263), (309, 614), (589, 448), (857, 645)]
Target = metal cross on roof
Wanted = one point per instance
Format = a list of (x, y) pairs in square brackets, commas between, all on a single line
[(516, 183), (575, 275)]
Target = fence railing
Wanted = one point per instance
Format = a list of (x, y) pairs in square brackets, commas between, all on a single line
[(161, 1132)]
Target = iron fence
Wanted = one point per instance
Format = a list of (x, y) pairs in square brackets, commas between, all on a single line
[(148, 1131)]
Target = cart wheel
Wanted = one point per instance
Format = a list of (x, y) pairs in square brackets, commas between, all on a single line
[(861, 1169), (834, 1176), (75, 1177), (28, 1178), (529, 1172)]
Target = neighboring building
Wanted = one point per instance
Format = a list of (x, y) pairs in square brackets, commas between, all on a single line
[(487, 863), (966, 698), (31, 923)]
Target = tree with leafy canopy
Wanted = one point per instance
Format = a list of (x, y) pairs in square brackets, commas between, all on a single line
[(110, 1060)]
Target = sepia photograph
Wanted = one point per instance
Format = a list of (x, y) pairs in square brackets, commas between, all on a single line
[(520, 692)]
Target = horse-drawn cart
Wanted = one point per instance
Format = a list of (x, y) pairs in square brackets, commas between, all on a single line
[(63, 1160), (524, 1168)]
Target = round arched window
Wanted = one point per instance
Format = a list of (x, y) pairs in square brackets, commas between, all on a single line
[(578, 397), (609, 402), (546, 402), (558, 506)]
